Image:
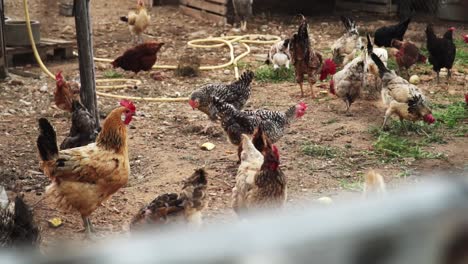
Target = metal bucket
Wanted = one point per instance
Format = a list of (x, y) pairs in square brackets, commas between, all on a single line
[(456, 10), (16, 33)]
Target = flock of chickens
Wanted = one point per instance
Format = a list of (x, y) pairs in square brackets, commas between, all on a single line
[(92, 163)]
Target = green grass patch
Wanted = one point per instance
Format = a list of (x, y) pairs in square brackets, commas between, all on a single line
[(451, 115), (354, 186), (266, 73), (314, 150), (110, 74), (391, 64), (394, 147)]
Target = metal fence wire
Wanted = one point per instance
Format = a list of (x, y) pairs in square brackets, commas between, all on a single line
[(409, 7), (425, 224)]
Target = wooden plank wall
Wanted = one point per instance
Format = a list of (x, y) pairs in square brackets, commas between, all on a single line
[(375, 6), (211, 10)]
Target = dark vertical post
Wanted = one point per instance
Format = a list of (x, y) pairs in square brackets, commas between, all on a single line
[(85, 50), (3, 61)]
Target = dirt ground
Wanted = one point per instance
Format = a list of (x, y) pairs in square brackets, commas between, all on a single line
[(165, 138)]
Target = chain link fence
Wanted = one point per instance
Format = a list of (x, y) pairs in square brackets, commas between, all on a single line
[(426, 224)]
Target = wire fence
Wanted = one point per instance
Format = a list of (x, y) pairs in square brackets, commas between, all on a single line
[(423, 225)]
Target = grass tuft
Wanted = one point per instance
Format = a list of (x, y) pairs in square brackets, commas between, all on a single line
[(266, 73), (315, 150)]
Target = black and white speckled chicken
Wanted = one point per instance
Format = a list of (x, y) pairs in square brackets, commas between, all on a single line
[(83, 130), (17, 228), (235, 122), (236, 94), (260, 183), (172, 208)]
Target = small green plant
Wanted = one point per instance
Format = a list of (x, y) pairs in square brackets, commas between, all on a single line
[(451, 115), (354, 186), (112, 74), (395, 147), (266, 73), (315, 150), (391, 64)]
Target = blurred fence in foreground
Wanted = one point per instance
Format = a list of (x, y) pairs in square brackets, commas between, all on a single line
[(426, 224)]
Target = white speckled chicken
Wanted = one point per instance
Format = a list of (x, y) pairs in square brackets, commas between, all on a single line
[(279, 54), (347, 46), (402, 98), (260, 182)]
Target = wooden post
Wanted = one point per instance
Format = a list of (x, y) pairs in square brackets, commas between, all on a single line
[(85, 50), (3, 61)]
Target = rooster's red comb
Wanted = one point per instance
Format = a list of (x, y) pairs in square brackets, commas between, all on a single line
[(128, 104), (58, 76), (330, 64), (303, 105)]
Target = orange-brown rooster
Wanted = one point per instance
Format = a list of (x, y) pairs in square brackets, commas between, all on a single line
[(304, 58), (408, 54), (84, 177), (64, 93)]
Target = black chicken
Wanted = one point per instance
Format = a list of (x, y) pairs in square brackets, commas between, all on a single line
[(236, 93), (383, 36), (442, 51), (17, 228), (82, 131)]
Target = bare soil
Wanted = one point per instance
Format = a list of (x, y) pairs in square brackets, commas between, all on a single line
[(165, 138)]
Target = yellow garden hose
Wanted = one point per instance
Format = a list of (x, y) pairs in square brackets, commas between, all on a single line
[(221, 42)]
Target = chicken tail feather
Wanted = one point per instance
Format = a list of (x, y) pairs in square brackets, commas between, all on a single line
[(47, 140), (374, 183), (379, 63), (124, 19)]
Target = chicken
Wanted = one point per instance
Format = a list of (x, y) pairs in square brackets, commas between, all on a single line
[(85, 177), (383, 36), (345, 48), (304, 58), (347, 83), (171, 208), (465, 38), (260, 182), (243, 11), (374, 184), (370, 66), (442, 51), (64, 93), (279, 54), (17, 227), (407, 55), (466, 99), (401, 97), (236, 93), (137, 21), (139, 58), (83, 129), (235, 122)]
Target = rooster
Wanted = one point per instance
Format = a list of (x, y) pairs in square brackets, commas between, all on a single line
[(17, 227), (172, 207), (139, 58), (442, 51), (243, 11), (236, 93), (345, 48), (64, 93), (374, 184), (401, 97), (83, 129), (260, 182), (279, 54), (347, 83), (304, 58), (235, 122), (407, 55), (85, 177), (137, 21), (383, 36)]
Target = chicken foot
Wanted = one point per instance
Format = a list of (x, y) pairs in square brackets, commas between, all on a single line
[(311, 83), (243, 25), (302, 89), (88, 227)]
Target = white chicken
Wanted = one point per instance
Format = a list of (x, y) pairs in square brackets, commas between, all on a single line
[(279, 54)]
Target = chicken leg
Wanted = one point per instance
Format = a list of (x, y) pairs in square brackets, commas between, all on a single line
[(302, 89), (437, 77), (89, 229), (311, 83)]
